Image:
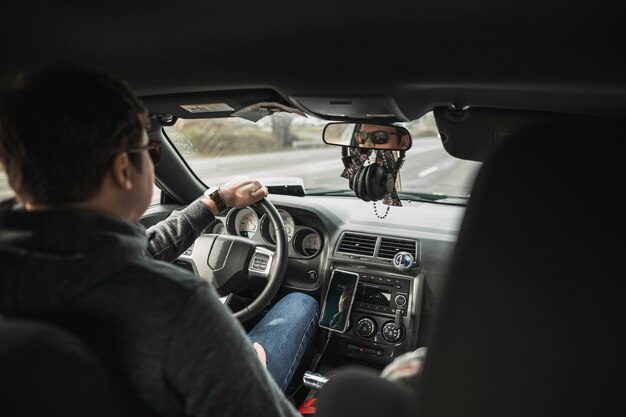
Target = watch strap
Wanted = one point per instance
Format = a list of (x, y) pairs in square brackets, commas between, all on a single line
[(214, 194)]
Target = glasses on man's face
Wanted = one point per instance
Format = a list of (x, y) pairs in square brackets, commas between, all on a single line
[(378, 137), (154, 150)]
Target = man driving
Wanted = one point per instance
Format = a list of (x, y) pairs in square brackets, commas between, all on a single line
[(76, 152)]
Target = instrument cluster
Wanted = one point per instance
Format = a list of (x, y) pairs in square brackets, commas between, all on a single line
[(304, 241)]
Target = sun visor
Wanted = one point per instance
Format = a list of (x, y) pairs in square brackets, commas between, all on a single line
[(258, 111), (376, 109), (472, 133), (210, 104)]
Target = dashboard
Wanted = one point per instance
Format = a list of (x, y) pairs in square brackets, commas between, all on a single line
[(304, 241), (394, 308)]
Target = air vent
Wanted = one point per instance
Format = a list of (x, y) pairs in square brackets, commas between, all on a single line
[(363, 245), (389, 247)]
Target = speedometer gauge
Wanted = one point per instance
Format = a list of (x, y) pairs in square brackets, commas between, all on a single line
[(290, 226)]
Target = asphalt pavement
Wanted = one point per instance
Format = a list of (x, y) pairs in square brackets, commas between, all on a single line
[(427, 168)]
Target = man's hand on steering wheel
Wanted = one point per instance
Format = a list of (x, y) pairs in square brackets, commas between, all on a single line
[(238, 193)]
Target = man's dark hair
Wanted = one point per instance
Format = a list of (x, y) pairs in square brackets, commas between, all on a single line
[(60, 129)]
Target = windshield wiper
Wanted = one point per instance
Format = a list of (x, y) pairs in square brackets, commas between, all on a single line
[(411, 196), (331, 192), (434, 198)]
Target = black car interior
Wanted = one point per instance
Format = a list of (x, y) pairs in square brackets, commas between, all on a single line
[(526, 326), (47, 370), (518, 295), (521, 316)]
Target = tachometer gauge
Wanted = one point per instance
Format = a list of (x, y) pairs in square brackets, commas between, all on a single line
[(247, 223)]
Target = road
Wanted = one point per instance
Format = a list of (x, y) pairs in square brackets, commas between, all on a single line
[(428, 168)]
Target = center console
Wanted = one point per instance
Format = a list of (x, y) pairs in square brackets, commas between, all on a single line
[(384, 317), (383, 320)]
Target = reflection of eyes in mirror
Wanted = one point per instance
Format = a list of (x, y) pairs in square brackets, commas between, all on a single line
[(381, 139), (368, 135)]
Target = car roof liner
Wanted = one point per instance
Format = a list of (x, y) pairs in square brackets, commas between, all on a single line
[(472, 133)]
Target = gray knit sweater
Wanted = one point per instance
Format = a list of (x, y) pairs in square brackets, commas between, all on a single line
[(160, 326)]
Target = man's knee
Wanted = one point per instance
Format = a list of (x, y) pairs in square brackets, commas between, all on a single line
[(303, 302)]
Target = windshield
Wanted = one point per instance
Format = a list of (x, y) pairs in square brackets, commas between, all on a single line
[(286, 148)]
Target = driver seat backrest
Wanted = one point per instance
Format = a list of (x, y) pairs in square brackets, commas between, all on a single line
[(532, 318), (47, 371)]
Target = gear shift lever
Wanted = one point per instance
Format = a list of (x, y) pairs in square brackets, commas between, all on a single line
[(314, 381), (396, 321)]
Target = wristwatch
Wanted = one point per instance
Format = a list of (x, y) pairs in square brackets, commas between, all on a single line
[(214, 194)]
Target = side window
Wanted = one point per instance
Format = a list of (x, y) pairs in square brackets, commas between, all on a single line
[(156, 195), (5, 191)]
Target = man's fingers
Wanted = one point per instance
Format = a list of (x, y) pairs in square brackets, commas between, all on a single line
[(260, 193), (260, 353), (241, 192)]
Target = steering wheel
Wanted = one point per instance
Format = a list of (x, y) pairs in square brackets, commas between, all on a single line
[(233, 263)]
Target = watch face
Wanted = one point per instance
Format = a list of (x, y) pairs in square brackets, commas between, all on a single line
[(210, 191)]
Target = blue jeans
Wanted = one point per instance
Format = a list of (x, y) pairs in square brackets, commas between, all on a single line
[(285, 333)]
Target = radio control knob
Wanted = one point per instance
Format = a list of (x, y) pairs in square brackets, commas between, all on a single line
[(400, 300), (391, 334), (366, 327)]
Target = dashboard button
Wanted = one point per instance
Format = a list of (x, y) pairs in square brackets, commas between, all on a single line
[(400, 300)]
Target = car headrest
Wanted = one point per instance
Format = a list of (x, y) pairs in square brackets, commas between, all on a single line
[(45, 370), (359, 391), (531, 318)]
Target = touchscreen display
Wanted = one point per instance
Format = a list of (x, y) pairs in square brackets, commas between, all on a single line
[(338, 302), (372, 295)]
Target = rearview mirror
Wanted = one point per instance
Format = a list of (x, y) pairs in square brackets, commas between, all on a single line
[(367, 135)]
